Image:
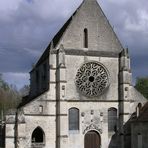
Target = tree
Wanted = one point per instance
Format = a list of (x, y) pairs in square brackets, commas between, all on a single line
[(142, 86), (3, 84), (24, 91), (9, 96)]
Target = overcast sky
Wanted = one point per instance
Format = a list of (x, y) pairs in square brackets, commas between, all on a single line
[(27, 26)]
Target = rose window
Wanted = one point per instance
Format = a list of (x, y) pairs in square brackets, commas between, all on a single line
[(92, 79)]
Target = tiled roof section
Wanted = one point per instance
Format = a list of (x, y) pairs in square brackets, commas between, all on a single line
[(25, 100), (143, 115), (135, 95)]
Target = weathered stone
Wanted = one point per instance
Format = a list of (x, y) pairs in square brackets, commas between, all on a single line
[(53, 88)]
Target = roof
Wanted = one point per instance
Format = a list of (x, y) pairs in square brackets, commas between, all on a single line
[(143, 113), (143, 116), (56, 39), (27, 99), (54, 42)]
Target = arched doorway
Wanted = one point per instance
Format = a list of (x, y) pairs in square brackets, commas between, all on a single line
[(92, 140), (38, 136)]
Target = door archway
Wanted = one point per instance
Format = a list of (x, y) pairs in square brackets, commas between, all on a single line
[(92, 140)]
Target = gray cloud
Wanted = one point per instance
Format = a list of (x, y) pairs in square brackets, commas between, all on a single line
[(130, 21), (16, 78), (27, 26)]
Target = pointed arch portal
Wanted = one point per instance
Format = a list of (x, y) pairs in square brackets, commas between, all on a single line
[(38, 135), (92, 140)]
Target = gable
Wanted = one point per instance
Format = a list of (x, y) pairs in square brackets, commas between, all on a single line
[(101, 36)]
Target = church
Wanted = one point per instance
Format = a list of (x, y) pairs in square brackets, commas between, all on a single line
[(81, 95)]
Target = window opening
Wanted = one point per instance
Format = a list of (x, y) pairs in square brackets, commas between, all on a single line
[(41, 109), (139, 140), (73, 119), (38, 136), (85, 38), (112, 119), (138, 109)]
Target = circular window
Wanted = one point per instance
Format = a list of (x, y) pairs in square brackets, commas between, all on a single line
[(92, 79)]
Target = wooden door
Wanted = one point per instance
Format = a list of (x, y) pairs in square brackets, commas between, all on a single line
[(92, 140)]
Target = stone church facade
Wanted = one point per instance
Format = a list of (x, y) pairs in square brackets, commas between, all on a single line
[(81, 94)]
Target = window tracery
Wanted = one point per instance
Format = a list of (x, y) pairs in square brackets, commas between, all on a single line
[(92, 79), (73, 119)]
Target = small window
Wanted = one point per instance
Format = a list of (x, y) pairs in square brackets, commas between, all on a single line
[(38, 136), (139, 140), (139, 106), (73, 119), (138, 109), (112, 119), (85, 38), (41, 109)]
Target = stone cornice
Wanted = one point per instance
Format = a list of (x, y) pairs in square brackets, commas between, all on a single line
[(83, 52)]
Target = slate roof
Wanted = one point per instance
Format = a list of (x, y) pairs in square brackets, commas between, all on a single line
[(27, 99), (144, 113), (56, 39), (143, 116)]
